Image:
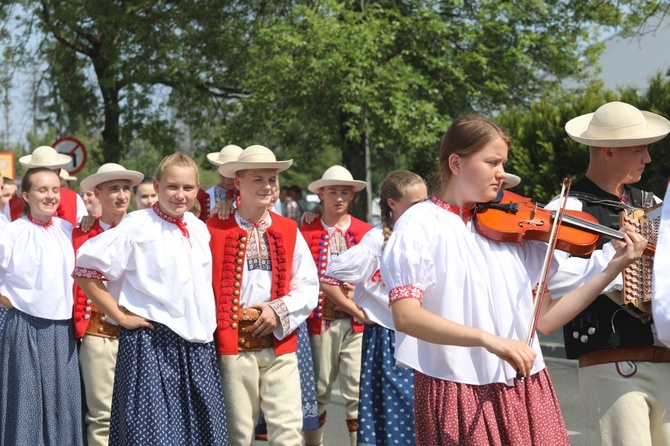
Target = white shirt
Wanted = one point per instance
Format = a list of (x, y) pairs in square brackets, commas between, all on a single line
[(360, 265), (3, 220), (660, 300), (156, 272), (257, 284), (216, 193), (467, 279), (575, 271), (35, 266)]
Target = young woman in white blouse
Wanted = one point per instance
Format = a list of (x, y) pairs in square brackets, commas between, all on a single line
[(461, 306), (157, 266), (386, 397), (40, 394)]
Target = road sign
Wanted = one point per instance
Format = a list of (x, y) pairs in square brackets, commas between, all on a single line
[(75, 149)]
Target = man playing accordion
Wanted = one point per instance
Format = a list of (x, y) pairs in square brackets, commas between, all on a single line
[(623, 367)]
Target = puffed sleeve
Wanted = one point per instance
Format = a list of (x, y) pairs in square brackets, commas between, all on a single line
[(660, 278), (407, 267), (357, 263), (109, 254)]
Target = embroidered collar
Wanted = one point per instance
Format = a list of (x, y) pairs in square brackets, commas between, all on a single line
[(181, 224), (465, 213), (248, 225), (40, 223)]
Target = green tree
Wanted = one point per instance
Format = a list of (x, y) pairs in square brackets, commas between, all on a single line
[(543, 154)]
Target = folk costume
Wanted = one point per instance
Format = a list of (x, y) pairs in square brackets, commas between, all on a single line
[(468, 395), (98, 350), (99, 335), (40, 394), (386, 401), (254, 263), (623, 367), (167, 389), (335, 337)]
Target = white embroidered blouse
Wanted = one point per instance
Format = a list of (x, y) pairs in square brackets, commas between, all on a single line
[(36, 261), (157, 269), (359, 265), (436, 255)]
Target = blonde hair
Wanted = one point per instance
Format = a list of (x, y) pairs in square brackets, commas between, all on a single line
[(466, 136), (394, 186), (177, 159)]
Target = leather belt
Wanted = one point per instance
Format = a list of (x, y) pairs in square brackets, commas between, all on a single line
[(245, 342), (643, 353), (98, 325), (330, 313)]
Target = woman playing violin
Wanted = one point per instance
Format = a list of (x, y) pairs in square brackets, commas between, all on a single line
[(461, 304)]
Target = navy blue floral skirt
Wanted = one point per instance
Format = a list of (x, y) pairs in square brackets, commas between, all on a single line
[(386, 401), (167, 391), (40, 390)]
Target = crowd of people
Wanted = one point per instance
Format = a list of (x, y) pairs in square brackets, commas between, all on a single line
[(206, 317)]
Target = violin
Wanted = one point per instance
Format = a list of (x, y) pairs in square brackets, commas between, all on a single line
[(513, 218)]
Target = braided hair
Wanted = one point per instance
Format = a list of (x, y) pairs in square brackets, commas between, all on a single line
[(393, 186)]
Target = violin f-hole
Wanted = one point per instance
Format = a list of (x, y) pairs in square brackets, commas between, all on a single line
[(533, 222)]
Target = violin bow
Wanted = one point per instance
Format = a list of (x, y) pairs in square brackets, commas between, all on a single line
[(546, 265)]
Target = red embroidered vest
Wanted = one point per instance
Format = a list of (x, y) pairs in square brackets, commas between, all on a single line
[(228, 245), (82, 305), (67, 208), (317, 238), (203, 199)]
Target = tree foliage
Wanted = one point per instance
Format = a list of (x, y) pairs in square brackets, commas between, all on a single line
[(543, 154), (319, 81)]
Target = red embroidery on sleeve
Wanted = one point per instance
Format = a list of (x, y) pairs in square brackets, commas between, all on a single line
[(404, 292), (87, 273)]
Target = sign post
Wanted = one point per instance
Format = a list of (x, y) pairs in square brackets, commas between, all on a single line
[(75, 149)]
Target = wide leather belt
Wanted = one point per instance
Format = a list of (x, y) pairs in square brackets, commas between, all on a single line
[(245, 342), (98, 325), (330, 313), (643, 353)]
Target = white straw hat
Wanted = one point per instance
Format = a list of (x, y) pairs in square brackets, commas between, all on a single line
[(64, 174), (254, 157), (227, 154), (336, 176), (109, 172), (45, 156), (511, 180), (617, 124)]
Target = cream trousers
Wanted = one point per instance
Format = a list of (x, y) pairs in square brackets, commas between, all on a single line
[(97, 362), (262, 380)]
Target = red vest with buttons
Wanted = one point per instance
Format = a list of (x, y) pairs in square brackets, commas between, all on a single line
[(228, 245), (67, 208), (203, 199), (82, 305), (318, 240)]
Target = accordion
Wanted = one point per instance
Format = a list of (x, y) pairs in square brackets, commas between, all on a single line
[(635, 296)]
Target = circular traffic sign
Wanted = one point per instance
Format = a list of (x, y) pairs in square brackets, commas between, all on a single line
[(73, 148)]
